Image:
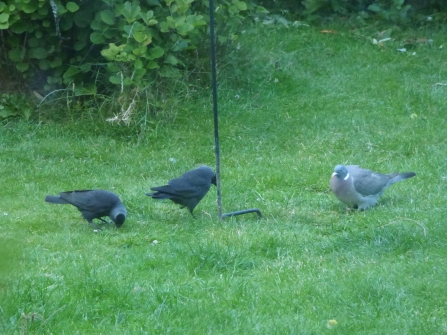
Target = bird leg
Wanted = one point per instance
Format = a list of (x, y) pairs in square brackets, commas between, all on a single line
[(104, 221), (93, 225)]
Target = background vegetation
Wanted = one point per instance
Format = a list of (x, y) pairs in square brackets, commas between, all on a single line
[(295, 100), (84, 53)]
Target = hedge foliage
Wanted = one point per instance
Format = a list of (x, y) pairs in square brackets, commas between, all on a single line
[(131, 43), (91, 44)]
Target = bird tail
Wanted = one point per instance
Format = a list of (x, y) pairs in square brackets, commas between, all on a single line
[(402, 176), (55, 199), (159, 195)]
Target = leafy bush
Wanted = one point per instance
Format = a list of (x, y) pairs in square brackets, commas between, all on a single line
[(94, 43), (14, 105)]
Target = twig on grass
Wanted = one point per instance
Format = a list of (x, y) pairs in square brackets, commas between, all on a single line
[(397, 220)]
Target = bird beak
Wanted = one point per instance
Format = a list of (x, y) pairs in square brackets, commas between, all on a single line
[(334, 174)]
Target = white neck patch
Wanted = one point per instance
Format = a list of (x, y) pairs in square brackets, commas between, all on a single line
[(347, 176)]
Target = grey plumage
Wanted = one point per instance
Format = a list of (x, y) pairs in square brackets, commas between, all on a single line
[(362, 188), (93, 204), (188, 189)]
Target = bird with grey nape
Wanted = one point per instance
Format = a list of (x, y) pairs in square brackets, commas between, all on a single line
[(362, 188), (188, 189), (93, 204)]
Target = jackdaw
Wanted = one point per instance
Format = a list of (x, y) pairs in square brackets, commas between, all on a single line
[(93, 204), (188, 189)]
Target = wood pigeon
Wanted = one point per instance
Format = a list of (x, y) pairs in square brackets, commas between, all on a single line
[(362, 188)]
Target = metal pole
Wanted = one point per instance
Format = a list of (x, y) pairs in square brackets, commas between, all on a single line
[(216, 118), (216, 124)]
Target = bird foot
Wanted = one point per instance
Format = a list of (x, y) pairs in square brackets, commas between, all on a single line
[(94, 226), (105, 221)]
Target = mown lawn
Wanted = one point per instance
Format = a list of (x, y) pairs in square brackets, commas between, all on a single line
[(294, 102)]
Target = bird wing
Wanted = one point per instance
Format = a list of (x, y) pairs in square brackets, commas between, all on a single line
[(95, 201), (367, 182), (186, 188)]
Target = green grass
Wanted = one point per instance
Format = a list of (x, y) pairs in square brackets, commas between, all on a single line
[(337, 99)]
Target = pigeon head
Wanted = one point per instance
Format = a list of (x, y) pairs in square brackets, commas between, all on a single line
[(340, 171), (118, 215)]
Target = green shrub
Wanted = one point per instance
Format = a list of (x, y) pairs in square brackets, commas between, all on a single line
[(14, 105), (94, 43)]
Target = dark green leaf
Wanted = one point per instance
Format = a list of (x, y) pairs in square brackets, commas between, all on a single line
[(71, 71), (115, 79), (97, 37), (108, 17), (169, 72), (152, 65), (20, 27), (86, 67), (34, 42), (138, 64), (38, 53), (79, 45), (131, 11), (4, 18), (156, 52), (57, 61), (22, 67), (240, 5), (44, 64), (139, 74), (83, 18), (170, 59), (164, 27), (147, 16), (15, 55), (72, 7), (29, 7), (374, 8)]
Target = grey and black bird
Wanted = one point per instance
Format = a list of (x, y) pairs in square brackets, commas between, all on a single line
[(93, 204), (361, 188), (188, 189)]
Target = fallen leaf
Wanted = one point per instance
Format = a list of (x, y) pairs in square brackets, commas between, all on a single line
[(331, 323), (38, 96), (385, 33)]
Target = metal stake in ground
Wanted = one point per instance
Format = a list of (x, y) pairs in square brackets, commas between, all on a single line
[(216, 124)]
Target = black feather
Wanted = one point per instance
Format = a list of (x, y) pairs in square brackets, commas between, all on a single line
[(188, 189), (93, 204)]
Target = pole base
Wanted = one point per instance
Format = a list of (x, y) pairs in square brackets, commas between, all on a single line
[(245, 211)]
